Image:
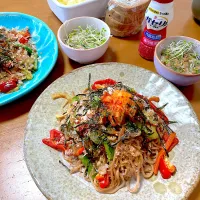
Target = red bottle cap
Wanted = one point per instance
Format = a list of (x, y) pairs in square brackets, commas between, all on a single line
[(164, 1)]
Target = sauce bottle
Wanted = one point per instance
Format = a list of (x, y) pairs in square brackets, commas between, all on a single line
[(158, 15)]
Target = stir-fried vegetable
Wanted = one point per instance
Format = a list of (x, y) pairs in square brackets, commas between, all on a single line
[(56, 140), (103, 180), (166, 168), (8, 85), (168, 143), (181, 57), (85, 160), (103, 83), (109, 151), (87, 38), (28, 49)]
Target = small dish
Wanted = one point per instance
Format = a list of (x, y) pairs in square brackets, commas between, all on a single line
[(83, 56), (87, 8), (46, 45), (177, 78)]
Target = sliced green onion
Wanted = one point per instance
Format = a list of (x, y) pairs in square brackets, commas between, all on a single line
[(28, 49)]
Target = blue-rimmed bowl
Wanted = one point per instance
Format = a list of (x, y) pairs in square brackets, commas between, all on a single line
[(46, 45)]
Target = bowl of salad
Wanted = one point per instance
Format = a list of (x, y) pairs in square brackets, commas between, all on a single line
[(177, 58), (84, 39)]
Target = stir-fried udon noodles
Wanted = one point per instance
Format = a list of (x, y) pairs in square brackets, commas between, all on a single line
[(112, 135)]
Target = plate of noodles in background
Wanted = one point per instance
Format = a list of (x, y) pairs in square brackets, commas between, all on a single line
[(50, 170), (29, 51)]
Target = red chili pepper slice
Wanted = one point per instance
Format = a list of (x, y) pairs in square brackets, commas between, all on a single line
[(80, 151), (99, 177), (23, 40), (8, 85), (103, 83), (54, 145), (56, 140), (165, 173), (25, 37), (103, 180), (26, 34), (166, 168), (55, 135)]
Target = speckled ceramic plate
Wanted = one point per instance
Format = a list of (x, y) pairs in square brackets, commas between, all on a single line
[(54, 180), (46, 45)]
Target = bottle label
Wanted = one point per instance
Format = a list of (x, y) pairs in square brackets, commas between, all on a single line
[(149, 42), (152, 36), (159, 15)]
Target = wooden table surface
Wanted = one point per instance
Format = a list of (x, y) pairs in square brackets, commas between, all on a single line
[(15, 180)]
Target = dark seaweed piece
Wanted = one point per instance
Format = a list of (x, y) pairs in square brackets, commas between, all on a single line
[(67, 118), (124, 137), (172, 122), (83, 123), (120, 85), (67, 125), (131, 126), (78, 108), (63, 127), (140, 112), (98, 92), (89, 81), (145, 142), (87, 107), (161, 141), (169, 130), (81, 94), (64, 165), (160, 108)]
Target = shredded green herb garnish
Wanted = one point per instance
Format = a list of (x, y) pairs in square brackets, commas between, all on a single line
[(181, 57), (87, 38)]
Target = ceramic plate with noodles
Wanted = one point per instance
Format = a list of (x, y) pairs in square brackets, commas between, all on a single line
[(112, 136)]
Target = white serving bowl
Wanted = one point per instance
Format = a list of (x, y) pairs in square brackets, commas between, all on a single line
[(175, 77), (83, 56), (92, 8)]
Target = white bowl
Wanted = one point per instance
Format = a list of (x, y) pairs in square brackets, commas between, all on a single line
[(92, 8), (175, 77), (83, 56)]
